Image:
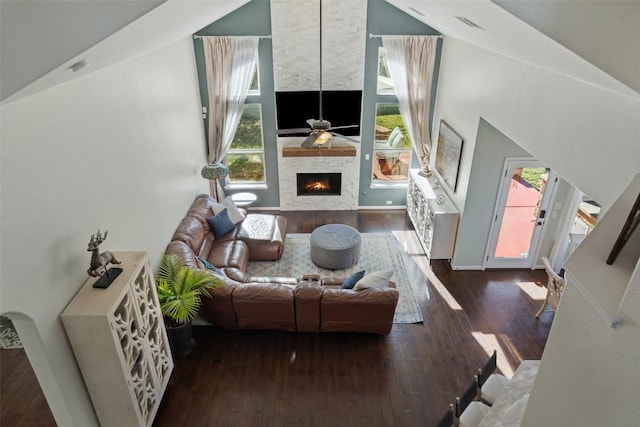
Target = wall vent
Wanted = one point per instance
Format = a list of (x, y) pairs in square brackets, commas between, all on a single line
[(469, 22), (416, 10)]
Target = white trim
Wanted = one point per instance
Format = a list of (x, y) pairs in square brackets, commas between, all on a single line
[(500, 203), (467, 267), (559, 251), (551, 198), (246, 186), (383, 208), (611, 320), (382, 185)]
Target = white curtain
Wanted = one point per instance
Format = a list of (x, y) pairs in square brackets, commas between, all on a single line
[(411, 61), (230, 62)]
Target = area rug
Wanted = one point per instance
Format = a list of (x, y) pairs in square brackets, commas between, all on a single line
[(8, 336), (378, 251)]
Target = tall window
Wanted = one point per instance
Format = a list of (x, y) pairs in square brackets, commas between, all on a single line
[(245, 157), (392, 146)]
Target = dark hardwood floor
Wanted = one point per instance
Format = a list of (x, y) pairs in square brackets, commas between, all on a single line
[(408, 378), (22, 402)]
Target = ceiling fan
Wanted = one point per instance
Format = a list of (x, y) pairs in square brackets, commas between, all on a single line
[(321, 130)]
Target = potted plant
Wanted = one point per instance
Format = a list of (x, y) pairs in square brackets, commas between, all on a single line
[(180, 289)]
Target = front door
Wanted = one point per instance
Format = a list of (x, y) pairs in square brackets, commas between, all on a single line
[(525, 194)]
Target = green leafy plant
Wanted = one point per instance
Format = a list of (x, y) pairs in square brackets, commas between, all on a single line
[(180, 289)]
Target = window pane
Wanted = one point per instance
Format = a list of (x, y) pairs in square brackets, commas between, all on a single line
[(249, 132), (391, 164), (385, 84), (391, 131), (255, 81), (245, 167), (246, 154)]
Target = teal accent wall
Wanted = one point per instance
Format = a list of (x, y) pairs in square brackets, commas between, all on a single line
[(383, 18), (252, 19), (491, 149)]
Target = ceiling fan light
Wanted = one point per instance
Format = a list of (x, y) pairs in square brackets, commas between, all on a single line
[(323, 138)]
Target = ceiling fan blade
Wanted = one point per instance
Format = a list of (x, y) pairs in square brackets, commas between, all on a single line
[(293, 131), (311, 139), (345, 127), (310, 122), (348, 138)]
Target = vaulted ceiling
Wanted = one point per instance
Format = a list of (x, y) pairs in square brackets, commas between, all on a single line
[(595, 41)]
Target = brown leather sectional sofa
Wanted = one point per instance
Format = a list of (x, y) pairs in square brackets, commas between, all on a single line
[(307, 304)]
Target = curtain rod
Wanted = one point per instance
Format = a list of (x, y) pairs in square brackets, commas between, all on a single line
[(377, 36), (195, 37)]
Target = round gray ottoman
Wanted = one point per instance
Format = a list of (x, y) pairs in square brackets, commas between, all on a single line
[(335, 246)]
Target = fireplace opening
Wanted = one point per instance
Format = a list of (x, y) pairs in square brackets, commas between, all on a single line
[(319, 184)]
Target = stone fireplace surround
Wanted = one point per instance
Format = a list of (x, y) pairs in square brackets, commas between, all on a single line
[(288, 167)]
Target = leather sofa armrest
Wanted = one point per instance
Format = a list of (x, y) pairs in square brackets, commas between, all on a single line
[(308, 290), (337, 281), (263, 292), (387, 295), (290, 281), (365, 310), (332, 281), (217, 308), (307, 298)]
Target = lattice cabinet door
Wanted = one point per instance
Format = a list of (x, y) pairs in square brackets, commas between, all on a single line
[(434, 217), (152, 326), (120, 343)]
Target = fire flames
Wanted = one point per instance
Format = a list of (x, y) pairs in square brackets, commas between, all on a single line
[(317, 186)]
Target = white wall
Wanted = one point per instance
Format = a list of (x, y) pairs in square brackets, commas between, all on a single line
[(590, 371), (119, 149), (587, 134), (590, 137)]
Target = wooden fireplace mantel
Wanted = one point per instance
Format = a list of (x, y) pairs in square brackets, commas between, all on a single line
[(335, 151)]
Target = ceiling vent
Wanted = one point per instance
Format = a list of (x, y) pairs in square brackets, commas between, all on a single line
[(469, 22)]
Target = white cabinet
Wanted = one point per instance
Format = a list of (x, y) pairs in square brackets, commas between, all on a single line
[(433, 215), (120, 343)]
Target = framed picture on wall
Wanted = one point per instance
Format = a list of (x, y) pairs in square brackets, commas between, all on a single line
[(630, 225), (448, 154)]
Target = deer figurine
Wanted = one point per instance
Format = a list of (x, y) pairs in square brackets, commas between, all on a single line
[(99, 260)]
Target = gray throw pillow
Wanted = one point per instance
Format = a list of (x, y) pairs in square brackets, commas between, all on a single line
[(211, 267), (220, 223), (350, 281)]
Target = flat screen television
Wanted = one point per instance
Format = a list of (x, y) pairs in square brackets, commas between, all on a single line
[(340, 107)]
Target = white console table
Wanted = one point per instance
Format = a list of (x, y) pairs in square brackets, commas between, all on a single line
[(433, 215)]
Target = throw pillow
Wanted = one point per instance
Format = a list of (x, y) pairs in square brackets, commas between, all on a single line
[(220, 223), (394, 135), (396, 140), (350, 281), (235, 215), (379, 279), (206, 264)]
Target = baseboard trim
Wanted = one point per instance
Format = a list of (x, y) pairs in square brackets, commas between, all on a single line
[(383, 208), (359, 208), (467, 267)]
